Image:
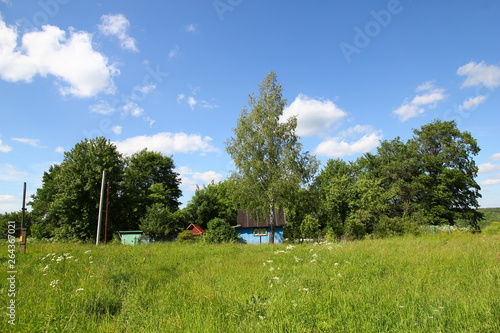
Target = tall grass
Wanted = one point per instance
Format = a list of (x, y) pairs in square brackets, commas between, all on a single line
[(434, 283)]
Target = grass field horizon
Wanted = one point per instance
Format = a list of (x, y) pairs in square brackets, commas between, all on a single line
[(429, 283)]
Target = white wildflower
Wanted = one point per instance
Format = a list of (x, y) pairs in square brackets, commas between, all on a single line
[(88, 251), (315, 255), (269, 261), (54, 283), (297, 259), (336, 264), (271, 269), (313, 261), (305, 289), (339, 275), (289, 247), (45, 268), (79, 289)]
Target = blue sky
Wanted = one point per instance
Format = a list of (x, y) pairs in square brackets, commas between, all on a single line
[(173, 76)]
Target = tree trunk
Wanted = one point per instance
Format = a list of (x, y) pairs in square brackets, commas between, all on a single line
[(273, 223)]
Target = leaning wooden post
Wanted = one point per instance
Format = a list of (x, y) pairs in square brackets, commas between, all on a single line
[(22, 238), (101, 203)]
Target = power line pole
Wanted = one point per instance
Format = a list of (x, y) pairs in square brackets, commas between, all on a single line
[(101, 203), (22, 238)]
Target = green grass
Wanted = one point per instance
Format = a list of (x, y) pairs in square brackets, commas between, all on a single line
[(432, 283)]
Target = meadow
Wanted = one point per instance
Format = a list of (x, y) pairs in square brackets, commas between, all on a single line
[(430, 283)]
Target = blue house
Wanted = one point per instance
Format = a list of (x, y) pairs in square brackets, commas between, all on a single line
[(253, 232)]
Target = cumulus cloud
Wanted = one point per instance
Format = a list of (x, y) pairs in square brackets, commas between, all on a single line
[(313, 116), (31, 142), (488, 168), (355, 140), (117, 25), (81, 71), (190, 178), (490, 182), (175, 52), (473, 102), (9, 173), (102, 107), (167, 143), (4, 148), (428, 96), (59, 149), (495, 157), (133, 109), (193, 102), (480, 74), (117, 129)]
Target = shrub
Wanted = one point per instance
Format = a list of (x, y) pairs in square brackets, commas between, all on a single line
[(185, 236), (220, 231)]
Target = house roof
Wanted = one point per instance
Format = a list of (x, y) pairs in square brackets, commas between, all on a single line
[(195, 229), (246, 221)]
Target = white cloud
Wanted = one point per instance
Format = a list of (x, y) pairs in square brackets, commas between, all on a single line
[(9, 203), (190, 178), (480, 74), (167, 143), (192, 102), (473, 102), (59, 149), (31, 142), (149, 120), (4, 148), (429, 97), (350, 143), (9, 173), (7, 198), (495, 157), (102, 107), (117, 25), (488, 168), (133, 109), (68, 57), (175, 52), (117, 129), (313, 116), (193, 28), (490, 182)]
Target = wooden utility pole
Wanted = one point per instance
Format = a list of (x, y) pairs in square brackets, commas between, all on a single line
[(22, 238), (101, 202)]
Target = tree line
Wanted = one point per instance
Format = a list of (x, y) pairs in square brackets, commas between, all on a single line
[(426, 180)]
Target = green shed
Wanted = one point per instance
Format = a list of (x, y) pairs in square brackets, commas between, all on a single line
[(133, 237)]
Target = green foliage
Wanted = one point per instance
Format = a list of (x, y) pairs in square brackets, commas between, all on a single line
[(310, 227), (267, 154), (160, 222), (149, 178), (68, 202), (212, 201), (428, 180), (186, 236), (66, 206), (220, 231)]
